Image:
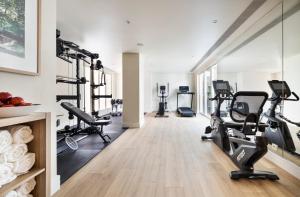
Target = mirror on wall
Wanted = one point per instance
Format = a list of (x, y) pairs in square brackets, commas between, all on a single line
[(290, 107), (271, 53), (256, 60), (266, 58)]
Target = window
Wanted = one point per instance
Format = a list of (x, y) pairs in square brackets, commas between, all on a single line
[(108, 89), (201, 93), (96, 78), (102, 103), (206, 107)]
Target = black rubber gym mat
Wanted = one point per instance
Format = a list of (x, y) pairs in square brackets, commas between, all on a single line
[(69, 161)]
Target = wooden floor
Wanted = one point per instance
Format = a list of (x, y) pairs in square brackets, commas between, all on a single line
[(166, 158)]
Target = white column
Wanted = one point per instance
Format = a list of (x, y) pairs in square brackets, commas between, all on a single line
[(133, 95)]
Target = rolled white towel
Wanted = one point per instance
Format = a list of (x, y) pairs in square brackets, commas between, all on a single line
[(6, 174), (3, 159), (14, 152), (27, 187), (12, 194), (5, 140), (21, 134), (24, 164)]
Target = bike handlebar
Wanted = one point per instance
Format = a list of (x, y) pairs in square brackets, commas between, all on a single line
[(218, 96), (290, 121), (295, 99), (286, 99)]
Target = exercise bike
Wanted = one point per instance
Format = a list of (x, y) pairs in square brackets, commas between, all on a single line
[(278, 132), (162, 93), (223, 93), (240, 139)]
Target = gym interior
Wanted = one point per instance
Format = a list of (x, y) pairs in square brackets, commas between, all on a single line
[(149, 98)]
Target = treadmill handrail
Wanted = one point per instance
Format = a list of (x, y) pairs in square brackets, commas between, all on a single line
[(185, 93)]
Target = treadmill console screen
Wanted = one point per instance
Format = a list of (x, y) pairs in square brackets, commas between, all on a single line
[(162, 88), (184, 88), (280, 88)]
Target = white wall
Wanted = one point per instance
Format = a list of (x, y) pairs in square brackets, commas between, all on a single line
[(291, 76), (253, 81), (248, 81), (175, 80), (148, 91), (41, 89)]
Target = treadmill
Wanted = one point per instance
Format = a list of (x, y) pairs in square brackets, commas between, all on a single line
[(185, 111)]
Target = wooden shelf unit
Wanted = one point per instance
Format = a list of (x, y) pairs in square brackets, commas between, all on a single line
[(39, 146)]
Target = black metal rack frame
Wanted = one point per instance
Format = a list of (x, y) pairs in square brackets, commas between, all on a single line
[(63, 48), (96, 67)]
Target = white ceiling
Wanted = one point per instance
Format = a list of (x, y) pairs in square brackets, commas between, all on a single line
[(175, 33)]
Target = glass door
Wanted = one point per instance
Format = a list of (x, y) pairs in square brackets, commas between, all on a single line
[(207, 92), (206, 107), (201, 93)]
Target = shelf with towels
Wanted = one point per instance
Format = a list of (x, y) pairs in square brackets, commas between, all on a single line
[(39, 146), (20, 180)]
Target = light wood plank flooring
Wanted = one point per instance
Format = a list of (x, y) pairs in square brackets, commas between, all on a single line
[(166, 158)]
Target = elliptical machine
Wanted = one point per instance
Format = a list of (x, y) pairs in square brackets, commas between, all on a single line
[(278, 132), (163, 94), (239, 139), (115, 106)]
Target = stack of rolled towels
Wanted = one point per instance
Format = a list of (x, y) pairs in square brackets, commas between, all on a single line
[(24, 190), (15, 159)]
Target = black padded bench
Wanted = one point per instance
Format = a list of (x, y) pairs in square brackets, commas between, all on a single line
[(96, 126)]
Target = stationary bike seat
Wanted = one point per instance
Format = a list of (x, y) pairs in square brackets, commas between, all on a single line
[(233, 125)]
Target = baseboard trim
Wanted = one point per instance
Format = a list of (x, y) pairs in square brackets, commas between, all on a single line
[(132, 125), (287, 165)]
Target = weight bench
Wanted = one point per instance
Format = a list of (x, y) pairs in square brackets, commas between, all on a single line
[(96, 126)]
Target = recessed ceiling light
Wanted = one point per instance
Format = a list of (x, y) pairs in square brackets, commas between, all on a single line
[(214, 21), (140, 44)]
